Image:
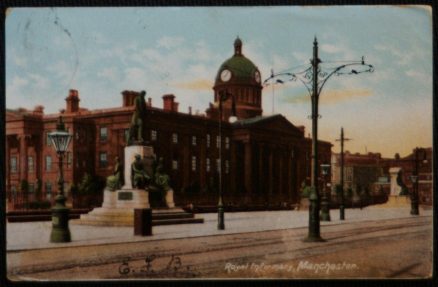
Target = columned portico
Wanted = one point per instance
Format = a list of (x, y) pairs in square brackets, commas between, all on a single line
[(248, 167)]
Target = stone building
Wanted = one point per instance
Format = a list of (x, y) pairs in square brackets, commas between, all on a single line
[(264, 158), (371, 172)]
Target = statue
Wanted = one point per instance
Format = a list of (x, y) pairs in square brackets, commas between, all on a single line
[(136, 127), (115, 181), (139, 177), (161, 180)]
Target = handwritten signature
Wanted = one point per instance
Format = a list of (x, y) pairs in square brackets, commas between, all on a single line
[(173, 268)]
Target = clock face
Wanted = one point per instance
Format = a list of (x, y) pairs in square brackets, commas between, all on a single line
[(257, 77), (225, 75)]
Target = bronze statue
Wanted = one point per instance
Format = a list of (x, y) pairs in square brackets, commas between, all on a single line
[(139, 178), (115, 181), (161, 179), (136, 127)]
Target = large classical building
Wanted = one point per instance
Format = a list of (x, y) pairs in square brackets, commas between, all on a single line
[(264, 158)]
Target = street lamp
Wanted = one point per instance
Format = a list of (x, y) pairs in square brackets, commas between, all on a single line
[(325, 204), (223, 96), (60, 230), (314, 79), (414, 179)]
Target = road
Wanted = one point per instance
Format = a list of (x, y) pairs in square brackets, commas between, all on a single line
[(391, 248)]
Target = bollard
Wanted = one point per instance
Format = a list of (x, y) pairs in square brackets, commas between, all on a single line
[(143, 222)]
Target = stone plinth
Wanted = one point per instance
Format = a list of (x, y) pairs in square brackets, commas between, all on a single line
[(396, 201), (395, 188)]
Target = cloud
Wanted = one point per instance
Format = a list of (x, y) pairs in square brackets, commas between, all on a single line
[(420, 76), (14, 89), (333, 96), (169, 42), (198, 85), (39, 81), (109, 74)]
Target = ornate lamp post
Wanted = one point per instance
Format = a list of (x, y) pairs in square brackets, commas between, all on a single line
[(314, 79), (325, 204), (60, 230), (223, 96), (414, 179)]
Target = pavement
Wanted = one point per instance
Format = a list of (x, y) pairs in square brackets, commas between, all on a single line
[(380, 243), (36, 235)]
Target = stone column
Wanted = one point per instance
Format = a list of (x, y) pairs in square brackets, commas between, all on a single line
[(289, 174), (261, 176), (23, 156), (280, 174), (248, 167), (270, 172), (8, 170)]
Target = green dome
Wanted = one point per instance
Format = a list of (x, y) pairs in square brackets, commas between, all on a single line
[(241, 68)]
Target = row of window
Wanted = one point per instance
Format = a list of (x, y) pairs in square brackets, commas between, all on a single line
[(154, 136), (31, 190), (31, 165)]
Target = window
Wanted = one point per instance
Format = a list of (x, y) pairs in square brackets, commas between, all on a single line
[(103, 159), (48, 188), (153, 135), (207, 165), (218, 165), (14, 192), (227, 166), (175, 138), (193, 163), (227, 142), (31, 188), (218, 141), (208, 140), (48, 163), (193, 140), (30, 165), (13, 164), (48, 141), (126, 134), (69, 159), (174, 164), (103, 134)]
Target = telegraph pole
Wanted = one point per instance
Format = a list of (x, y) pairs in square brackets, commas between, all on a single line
[(342, 204)]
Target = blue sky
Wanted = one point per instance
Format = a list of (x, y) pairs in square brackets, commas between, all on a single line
[(103, 51)]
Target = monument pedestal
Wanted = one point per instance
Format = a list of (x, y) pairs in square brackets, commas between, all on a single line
[(118, 206)]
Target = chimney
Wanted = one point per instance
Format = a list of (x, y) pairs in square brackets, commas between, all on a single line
[(168, 102), (150, 102), (39, 110), (129, 98), (175, 107), (190, 110), (72, 102)]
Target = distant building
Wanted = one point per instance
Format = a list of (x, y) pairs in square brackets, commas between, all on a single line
[(370, 172), (361, 171), (264, 158)]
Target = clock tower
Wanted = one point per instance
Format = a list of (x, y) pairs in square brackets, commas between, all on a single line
[(240, 79)]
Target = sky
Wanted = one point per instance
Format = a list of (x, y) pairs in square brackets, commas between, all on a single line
[(104, 51)]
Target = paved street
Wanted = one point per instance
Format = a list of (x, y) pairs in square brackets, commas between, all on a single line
[(373, 242)]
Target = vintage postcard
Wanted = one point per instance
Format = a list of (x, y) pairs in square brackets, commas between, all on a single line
[(263, 142)]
